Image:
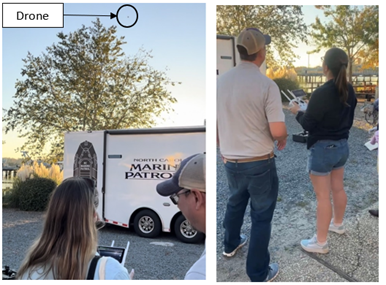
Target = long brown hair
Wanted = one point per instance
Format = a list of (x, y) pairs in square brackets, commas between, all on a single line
[(336, 60), (69, 238)]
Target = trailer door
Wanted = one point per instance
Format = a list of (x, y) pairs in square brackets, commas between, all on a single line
[(226, 54)]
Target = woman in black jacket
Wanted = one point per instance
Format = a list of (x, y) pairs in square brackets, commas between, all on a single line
[(328, 119)]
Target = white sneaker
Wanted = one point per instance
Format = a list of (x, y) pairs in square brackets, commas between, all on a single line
[(339, 230), (311, 245), (243, 241)]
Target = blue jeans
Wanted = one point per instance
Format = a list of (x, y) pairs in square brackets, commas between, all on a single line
[(258, 182)]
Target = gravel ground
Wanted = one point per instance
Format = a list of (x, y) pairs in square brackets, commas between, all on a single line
[(163, 258), (295, 213)]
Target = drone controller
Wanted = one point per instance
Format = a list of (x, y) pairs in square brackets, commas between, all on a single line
[(296, 98), (301, 103), (297, 95)]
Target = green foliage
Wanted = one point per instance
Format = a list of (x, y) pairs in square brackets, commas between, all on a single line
[(285, 84), (85, 82), (351, 28), (11, 197), (284, 23), (7, 198), (34, 194)]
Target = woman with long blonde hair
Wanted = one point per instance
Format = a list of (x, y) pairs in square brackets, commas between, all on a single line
[(68, 243)]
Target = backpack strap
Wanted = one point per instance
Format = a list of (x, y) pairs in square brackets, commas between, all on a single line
[(91, 270)]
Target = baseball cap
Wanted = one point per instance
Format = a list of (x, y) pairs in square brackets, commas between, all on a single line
[(253, 40), (190, 175)]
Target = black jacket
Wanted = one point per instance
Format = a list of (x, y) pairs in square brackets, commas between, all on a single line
[(326, 118)]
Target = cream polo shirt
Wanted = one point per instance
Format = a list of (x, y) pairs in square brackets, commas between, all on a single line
[(198, 270), (247, 101)]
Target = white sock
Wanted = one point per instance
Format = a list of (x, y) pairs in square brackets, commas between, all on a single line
[(321, 243)]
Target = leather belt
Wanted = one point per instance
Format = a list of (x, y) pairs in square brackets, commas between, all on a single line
[(252, 159)]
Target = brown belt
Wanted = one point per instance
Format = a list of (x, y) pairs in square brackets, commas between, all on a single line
[(252, 159)]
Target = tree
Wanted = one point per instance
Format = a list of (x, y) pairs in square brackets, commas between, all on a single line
[(352, 29), (369, 56), (284, 24), (85, 82)]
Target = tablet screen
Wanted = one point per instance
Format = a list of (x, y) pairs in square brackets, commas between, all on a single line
[(115, 252), (299, 93)]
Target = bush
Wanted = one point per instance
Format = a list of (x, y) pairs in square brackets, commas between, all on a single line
[(7, 198), (40, 170), (285, 84), (34, 194), (11, 195)]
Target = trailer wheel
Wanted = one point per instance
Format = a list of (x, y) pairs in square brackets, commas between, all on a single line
[(185, 232), (147, 224)]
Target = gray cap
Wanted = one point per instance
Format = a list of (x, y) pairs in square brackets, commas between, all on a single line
[(191, 174), (253, 40)]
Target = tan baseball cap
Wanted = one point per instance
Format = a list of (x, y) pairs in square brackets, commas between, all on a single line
[(191, 174), (253, 40)]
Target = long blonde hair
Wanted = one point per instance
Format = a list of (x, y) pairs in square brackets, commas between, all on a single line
[(69, 238)]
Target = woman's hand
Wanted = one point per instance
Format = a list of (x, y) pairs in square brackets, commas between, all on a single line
[(295, 108)]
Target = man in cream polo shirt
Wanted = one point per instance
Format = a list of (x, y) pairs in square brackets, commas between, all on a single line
[(250, 119)]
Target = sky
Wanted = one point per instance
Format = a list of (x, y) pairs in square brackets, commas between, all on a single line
[(175, 33), (309, 15)]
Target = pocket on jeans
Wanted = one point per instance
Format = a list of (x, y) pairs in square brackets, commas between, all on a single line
[(259, 188), (259, 183)]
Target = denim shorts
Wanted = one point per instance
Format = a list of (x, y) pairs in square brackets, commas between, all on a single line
[(327, 155)]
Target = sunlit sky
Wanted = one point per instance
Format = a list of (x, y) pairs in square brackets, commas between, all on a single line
[(309, 15), (175, 33)]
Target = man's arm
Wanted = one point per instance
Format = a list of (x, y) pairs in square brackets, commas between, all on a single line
[(279, 134), (278, 130), (314, 113), (275, 116)]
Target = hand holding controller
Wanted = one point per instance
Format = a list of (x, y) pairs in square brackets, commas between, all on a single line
[(302, 105), (299, 102)]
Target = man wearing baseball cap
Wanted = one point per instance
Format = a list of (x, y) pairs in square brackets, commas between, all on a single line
[(250, 119), (186, 189)]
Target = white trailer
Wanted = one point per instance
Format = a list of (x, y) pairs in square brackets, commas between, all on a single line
[(228, 56), (126, 166)]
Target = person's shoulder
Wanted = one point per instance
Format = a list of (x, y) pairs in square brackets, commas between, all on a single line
[(115, 270), (350, 88), (194, 275), (267, 79), (319, 91), (229, 72), (272, 85), (112, 262), (198, 269)]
